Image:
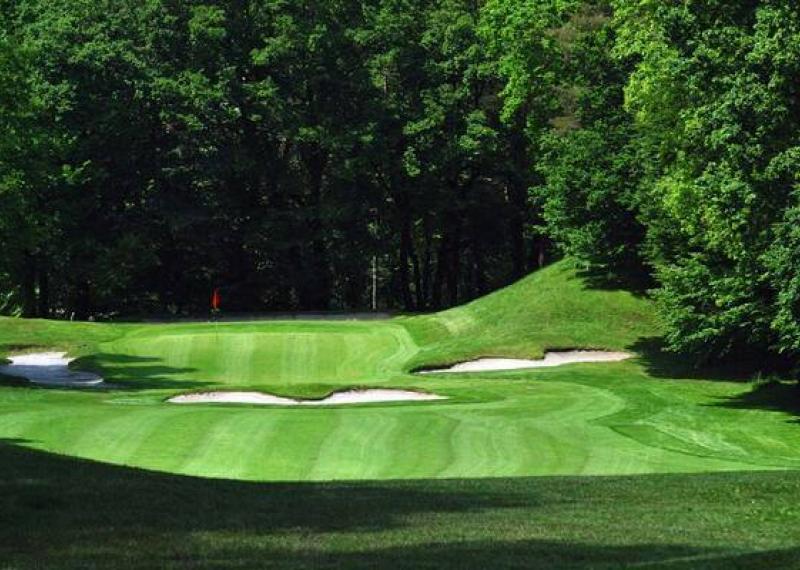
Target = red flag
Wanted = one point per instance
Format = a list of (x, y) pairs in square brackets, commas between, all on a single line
[(216, 300)]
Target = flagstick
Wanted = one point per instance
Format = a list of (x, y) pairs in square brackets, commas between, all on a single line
[(215, 298)]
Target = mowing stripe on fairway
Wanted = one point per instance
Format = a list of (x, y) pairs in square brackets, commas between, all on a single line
[(587, 419)]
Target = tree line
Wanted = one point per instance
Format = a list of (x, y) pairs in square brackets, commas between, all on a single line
[(153, 150), (681, 169)]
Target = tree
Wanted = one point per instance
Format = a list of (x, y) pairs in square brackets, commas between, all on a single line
[(592, 164), (28, 220), (714, 92), (269, 148)]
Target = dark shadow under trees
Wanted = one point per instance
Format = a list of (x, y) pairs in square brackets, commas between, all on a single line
[(774, 395), (59, 512), (660, 362), (125, 372)]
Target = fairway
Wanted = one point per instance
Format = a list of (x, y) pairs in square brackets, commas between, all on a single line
[(579, 419)]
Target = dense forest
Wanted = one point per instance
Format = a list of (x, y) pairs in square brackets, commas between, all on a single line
[(276, 150), (283, 150)]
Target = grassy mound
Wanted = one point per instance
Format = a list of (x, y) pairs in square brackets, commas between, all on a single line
[(550, 309)]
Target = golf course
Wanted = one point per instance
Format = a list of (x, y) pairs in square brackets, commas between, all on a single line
[(609, 418), (498, 438), (399, 284)]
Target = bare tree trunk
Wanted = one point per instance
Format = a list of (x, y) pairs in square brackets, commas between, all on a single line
[(454, 264), (406, 245), (316, 290), (441, 270), (517, 194), (82, 304), (424, 295), (44, 293), (29, 286), (419, 299)]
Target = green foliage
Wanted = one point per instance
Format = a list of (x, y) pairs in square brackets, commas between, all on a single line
[(591, 166), (152, 151), (673, 156), (273, 148), (783, 276), (525, 50), (715, 96)]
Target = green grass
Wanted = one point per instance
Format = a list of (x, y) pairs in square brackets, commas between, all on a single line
[(447, 480), (590, 419), (551, 308), (32, 335), (64, 513)]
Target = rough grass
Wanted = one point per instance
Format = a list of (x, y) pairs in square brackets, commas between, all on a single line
[(64, 513)]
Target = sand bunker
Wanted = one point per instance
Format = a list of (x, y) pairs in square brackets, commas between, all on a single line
[(337, 398), (50, 368), (550, 359)]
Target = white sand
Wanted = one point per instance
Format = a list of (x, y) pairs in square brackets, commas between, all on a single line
[(337, 398), (550, 359), (50, 368)]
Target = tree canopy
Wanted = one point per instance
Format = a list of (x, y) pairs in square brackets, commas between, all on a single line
[(280, 149), (271, 148)]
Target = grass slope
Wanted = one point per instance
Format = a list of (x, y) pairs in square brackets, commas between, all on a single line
[(551, 308), (590, 419)]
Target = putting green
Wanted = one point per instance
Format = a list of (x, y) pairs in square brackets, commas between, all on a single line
[(282, 355), (608, 418)]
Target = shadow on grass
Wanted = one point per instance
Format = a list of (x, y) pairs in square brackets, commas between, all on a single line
[(773, 396), (530, 554), (634, 281), (660, 363), (6, 349), (120, 371), (59, 512), (14, 348), (778, 396), (137, 372)]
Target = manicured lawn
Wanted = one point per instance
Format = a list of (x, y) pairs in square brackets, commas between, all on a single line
[(437, 484), (589, 419)]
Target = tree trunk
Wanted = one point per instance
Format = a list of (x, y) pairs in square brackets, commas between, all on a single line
[(517, 248), (454, 264), (315, 290), (44, 294), (517, 193), (454, 229), (441, 270), (82, 304), (29, 286), (406, 246), (419, 297), (425, 282), (479, 268)]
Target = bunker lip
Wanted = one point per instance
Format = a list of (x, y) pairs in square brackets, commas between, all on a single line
[(364, 396), (49, 369), (551, 359)]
